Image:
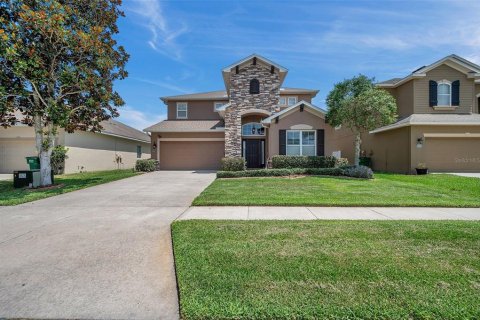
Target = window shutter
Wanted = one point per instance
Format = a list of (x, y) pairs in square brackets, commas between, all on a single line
[(456, 93), (320, 142), (433, 93), (282, 143)]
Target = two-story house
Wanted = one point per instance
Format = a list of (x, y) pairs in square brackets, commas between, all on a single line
[(439, 121), (255, 118)]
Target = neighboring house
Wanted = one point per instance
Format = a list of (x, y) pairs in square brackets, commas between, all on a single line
[(118, 146), (439, 121), (254, 118)]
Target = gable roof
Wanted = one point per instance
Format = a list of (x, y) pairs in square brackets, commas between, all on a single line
[(116, 128), (471, 69), (287, 111), (227, 70), (221, 95), (433, 120)]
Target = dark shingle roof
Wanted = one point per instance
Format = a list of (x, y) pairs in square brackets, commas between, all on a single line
[(117, 128), (221, 95), (187, 126)]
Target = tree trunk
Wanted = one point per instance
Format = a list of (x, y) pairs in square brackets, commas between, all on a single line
[(44, 144), (358, 142)]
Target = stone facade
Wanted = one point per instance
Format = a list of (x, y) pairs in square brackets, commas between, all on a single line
[(241, 100)]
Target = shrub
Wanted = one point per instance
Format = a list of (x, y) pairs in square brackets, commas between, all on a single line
[(280, 172), (359, 172), (146, 165), (57, 159), (233, 164), (341, 162), (288, 162)]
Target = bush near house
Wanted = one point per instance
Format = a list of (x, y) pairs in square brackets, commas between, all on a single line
[(146, 165), (288, 162), (233, 164), (57, 159), (281, 172), (362, 172)]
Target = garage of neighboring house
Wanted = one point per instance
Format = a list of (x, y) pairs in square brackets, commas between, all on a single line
[(13, 153), (452, 152)]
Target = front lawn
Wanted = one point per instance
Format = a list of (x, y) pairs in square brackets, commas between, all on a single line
[(328, 269), (385, 190), (10, 196)]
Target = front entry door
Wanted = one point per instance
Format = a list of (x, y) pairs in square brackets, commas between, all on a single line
[(254, 152)]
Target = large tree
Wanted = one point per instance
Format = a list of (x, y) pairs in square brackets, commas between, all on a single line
[(356, 104), (58, 64)]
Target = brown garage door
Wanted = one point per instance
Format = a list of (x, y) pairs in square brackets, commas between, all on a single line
[(191, 155), (13, 153), (454, 154)]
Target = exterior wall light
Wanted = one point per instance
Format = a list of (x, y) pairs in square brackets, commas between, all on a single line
[(420, 142), (154, 146)]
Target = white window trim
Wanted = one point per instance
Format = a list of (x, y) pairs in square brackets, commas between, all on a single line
[(218, 102), (252, 135), (301, 142), (186, 110), (282, 104), (296, 101), (443, 94)]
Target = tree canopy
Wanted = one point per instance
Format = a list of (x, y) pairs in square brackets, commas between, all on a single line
[(356, 104), (58, 64)]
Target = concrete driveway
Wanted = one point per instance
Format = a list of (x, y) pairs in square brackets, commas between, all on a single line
[(98, 253)]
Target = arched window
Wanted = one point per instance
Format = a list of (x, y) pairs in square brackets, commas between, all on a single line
[(444, 93), (254, 86), (253, 129)]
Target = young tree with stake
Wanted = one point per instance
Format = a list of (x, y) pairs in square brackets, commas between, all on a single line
[(58, 63)]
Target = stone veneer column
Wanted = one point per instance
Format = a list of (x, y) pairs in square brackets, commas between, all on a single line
[(241, 100)]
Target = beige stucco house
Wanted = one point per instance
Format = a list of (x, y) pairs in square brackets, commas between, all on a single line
[(117, 146), (439, 121), (255, 118)]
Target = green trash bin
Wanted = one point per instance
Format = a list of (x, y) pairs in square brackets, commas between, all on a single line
[(33, 162)]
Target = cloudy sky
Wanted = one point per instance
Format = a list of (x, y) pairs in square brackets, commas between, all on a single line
[(180, 46)]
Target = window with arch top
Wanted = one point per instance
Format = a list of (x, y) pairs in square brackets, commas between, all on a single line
[(253, 129), (254, 86)]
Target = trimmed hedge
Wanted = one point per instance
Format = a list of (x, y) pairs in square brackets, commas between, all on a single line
[(289, 162), (280, 172), (146, 165), (233, 164)]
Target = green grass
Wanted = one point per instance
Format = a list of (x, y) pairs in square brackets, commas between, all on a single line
[(384, 190), (328, 269), (10, 196)]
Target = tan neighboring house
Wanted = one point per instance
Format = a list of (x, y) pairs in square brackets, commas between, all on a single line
[(254, 117), (439, 121), (118, 146)]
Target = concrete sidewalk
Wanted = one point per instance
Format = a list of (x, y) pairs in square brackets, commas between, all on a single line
[(330, 213)]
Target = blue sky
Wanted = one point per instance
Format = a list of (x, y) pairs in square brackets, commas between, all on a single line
[(180, 46)]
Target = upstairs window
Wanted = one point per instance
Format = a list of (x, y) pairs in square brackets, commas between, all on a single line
[(444, 93), (282, 101), (182, 110), (253, 129), (292, 101), (254, 86)]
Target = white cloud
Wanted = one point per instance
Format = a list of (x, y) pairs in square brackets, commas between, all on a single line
[(164, 85), (163, 36), (139, 119)]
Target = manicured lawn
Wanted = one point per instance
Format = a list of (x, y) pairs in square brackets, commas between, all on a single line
[(385, 190), (328, 269), (10, 196)]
